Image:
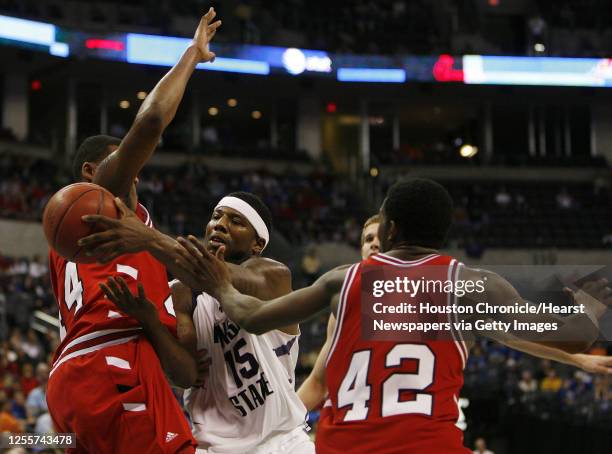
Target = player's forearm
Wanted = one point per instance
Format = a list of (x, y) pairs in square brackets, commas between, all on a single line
[(246, 281), (258, 317), (163, 101), (543, 351), (312, 393), (169, 252), (178, 364), (118, 171)]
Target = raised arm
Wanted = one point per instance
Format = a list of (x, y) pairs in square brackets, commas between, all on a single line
[(118, 171)]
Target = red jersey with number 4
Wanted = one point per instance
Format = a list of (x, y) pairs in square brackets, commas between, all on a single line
[(388, 396), (87, 317)]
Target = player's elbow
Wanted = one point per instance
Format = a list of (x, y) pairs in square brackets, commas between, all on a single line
[(582, 343)]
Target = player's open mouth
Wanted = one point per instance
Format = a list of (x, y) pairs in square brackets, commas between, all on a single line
[(217, 240)]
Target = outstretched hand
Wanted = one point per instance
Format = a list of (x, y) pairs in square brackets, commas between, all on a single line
[(138, 307), (210, 271), (204, 34), (118, 236), (594, 364)]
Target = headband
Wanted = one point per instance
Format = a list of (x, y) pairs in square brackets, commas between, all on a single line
[(249, 213)]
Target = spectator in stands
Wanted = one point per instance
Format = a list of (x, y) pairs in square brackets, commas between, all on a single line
[(601, 383), (480, 447), (8, 422), (564, 200), (18, 408), (527, 383), (36, 404), (37, 268), (28, 382), (31, 345), (44, 424), (552, 382), (503, 197)]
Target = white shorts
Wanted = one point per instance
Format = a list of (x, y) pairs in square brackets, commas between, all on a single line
[(295, 442)]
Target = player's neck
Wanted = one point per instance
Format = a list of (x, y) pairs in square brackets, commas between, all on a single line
[(409, 252)]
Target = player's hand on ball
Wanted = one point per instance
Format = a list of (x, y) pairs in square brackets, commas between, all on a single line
[(204, 34), (119, 236), (210, 271), (138, 307)]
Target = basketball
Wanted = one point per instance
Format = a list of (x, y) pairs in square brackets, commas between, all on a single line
[(62, 217)]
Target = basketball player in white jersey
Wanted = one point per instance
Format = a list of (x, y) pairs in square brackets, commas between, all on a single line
[(247, 403)]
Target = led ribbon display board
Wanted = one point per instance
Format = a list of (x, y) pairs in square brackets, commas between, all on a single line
[(159, 50)]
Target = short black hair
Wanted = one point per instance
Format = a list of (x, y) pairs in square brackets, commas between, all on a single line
[(258, 205), (422, 210), (93, 149)]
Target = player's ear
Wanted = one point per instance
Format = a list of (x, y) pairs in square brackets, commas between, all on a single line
[(87, 170), (260, 243)]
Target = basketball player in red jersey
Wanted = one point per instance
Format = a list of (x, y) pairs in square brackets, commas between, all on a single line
[(313, 390), (386, 396), (107, 384)]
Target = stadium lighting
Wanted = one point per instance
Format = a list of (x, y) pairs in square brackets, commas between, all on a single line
[(468, 151), (141, 95), (124, 104), (256, 115), (212, 111), (232, 102)]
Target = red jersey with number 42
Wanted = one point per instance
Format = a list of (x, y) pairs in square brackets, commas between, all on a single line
[(388, 396), (87, 317)]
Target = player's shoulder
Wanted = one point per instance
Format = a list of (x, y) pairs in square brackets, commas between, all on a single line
[(266, 262), (268, 266)]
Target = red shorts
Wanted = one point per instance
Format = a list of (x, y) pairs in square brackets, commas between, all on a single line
[(117, 400)]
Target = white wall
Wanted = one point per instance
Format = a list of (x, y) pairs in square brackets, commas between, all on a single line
[(19, 238)]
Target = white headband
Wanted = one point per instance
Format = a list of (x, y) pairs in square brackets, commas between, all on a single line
[(249, 213)]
